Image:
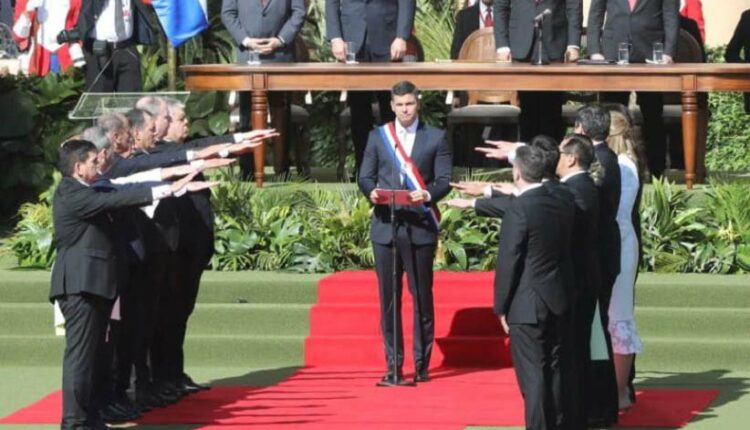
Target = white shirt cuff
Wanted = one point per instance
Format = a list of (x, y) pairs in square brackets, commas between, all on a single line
[(574, 47), (429, 196), (189, 155), (238, 137), (487, 192), (160, 192), (474, 203), (197, 163), (503, 50), (224, 153)]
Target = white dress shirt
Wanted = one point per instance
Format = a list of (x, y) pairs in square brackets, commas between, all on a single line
[(483, 8), (106, 26)]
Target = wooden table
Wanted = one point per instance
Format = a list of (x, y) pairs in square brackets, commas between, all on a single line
[(687, 79)]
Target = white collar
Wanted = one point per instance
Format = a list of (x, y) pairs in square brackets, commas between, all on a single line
[(600, 142), (410, 129), (82, 182), (483, 8), (570, 175), (518, 193)]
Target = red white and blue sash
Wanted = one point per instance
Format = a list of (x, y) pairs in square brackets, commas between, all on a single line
[(412, 178)]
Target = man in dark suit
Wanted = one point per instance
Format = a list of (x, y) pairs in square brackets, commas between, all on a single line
[(110, 31), (84, 276), (425, 150), (576, 157), (270, 29), (740, 42), (593, 121), (532, 296), (378, 31), (469, 20), (515, 39), (640, 23)]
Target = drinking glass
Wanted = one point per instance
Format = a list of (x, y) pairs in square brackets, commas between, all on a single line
[(623, 53), (253, 57), (351, 56), (658, 52)]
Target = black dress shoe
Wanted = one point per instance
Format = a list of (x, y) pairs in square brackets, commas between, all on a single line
[(187, 382), (111, 414), (421, 375)]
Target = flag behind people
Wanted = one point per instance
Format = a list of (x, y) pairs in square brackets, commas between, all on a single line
[(181, 19)]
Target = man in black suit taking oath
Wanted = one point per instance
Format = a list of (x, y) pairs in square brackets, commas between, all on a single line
[(515, 38), (84, 276), (532, 292), (406, 154)]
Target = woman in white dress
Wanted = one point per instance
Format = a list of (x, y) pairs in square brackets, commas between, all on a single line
[(625, 340)]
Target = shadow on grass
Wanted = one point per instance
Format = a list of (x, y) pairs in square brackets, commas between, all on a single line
[(259, 378), (731, 388)]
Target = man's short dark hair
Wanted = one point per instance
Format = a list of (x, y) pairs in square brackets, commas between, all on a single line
[(403, 88), (551, 151), (137, 118), (72, 152), (530, 162), (581, 147), (595, 121)]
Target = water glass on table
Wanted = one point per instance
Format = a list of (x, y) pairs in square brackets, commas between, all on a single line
[(658, 53), (623, 53), (253, 57), (351, 55)]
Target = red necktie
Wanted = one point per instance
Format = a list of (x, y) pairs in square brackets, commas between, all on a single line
[(632, 4), (488, 18)]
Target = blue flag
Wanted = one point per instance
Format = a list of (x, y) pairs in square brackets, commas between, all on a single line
[(181, 19)]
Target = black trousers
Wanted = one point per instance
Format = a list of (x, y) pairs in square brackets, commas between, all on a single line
[(541, 113), (576, 361), (536, 350), (119, 70), (360, 107), (181, 301), (128, 333), (417, 262), (654, 135), (162, 345), (86, 318)]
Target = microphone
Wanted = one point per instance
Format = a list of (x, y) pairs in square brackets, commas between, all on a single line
[(539, 18)]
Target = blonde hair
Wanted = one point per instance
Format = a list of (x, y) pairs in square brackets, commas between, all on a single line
[(621, 140)]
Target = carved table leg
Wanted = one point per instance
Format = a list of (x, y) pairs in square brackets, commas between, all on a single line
[(689, 134), (258, 118)]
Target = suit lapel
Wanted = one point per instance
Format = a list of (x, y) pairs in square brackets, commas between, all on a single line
[(420, 143)]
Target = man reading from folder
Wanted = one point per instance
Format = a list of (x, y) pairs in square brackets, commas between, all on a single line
[(406, 154)]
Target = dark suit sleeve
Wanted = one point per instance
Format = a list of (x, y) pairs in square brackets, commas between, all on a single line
[(574, 13), (732, 54), (501, 12), (494, 207), (88, 202), (203, 142), (230, 19), (671, 16), (459, 35), (368, 171), (292, 25), (405, 22), (333, 20), (594, 28), (128, 166), (510, 258), (442, 168)]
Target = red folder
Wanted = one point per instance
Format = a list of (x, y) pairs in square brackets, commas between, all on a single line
[(401, 197)]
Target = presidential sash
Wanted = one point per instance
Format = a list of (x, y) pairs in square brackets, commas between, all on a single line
[(412, 178)]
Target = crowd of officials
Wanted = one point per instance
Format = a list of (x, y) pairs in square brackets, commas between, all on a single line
[(131, 248)]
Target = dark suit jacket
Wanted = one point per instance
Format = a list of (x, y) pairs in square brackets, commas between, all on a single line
[(91, 9), (651, 21), (432, 156), (740, 42), (534, 245), (127, 166), (380, 21), (514, 26), (585, 233), (278, 18), (86, 259), (467, 22), (609, 201)]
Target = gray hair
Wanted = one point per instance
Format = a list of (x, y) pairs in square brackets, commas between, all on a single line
[(150, 104), (97, 136), (111, 122), (174, 104)]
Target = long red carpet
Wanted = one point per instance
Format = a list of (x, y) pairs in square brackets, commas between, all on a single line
[(472, 383)]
